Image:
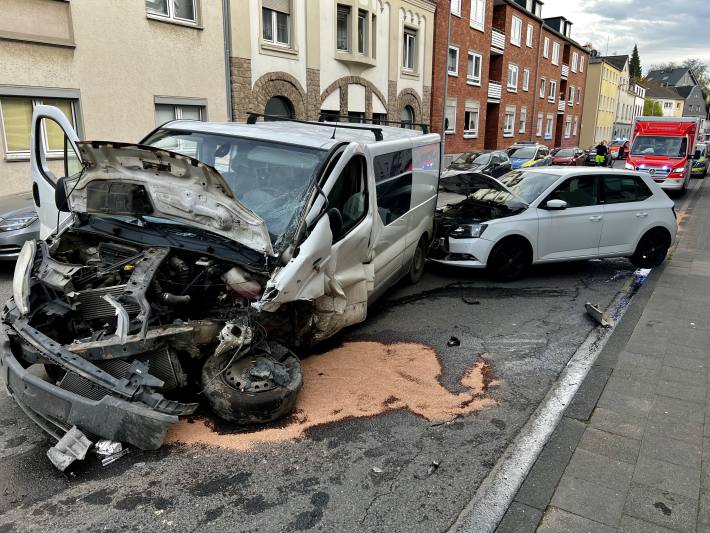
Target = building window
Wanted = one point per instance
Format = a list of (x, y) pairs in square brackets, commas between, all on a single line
[(526, 79), (581, 64), (575, 61), (548, 127), (456, 7), (179, 10), (406, 117), (509, 122), (555, 53), (279, 106), (568, 127), (453, 61), (478, 14), (516, 32), (574, 127), (471, 117), (343, 29), (409, 54), (362, 33), (167, 112), (473, 73), (512, 78), (553, 90), (546, 48), (579, 96), (450, 117), (17, 124), (543, 88), (539, 124), (276, 20), (523, 119), (571, 95)]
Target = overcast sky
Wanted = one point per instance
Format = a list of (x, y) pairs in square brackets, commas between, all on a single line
[(665, 30)]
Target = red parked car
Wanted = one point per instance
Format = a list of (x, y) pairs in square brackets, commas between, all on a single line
[(569, 157)]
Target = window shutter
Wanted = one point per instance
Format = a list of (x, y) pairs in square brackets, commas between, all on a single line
[(282, 6)]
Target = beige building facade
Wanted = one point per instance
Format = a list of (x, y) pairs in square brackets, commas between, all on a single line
[(117, 69), (364, 59)]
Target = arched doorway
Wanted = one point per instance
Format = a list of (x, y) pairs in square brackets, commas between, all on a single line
[(407, 117), (279, 106)]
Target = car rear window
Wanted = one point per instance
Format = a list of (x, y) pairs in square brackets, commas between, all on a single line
[(622, 189)]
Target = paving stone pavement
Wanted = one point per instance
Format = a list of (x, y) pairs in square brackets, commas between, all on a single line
[(641, 462)]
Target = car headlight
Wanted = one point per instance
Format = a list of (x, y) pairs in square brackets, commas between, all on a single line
[(469, 231), (18, 222), (680, 170), (628, 166), (23, 273)]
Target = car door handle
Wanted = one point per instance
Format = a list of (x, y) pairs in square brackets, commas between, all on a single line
[(641, 215), (595, 218)]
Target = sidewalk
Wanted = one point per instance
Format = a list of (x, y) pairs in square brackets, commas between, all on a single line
[(638, 459)]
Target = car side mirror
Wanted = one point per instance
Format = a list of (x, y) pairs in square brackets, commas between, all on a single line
[(61, 200), (335, 218), (556, 205)]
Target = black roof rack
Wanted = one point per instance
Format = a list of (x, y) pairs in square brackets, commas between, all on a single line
[(402, 124), (377, 132)]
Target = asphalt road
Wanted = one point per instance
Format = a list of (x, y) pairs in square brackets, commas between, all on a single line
[(371, 469)]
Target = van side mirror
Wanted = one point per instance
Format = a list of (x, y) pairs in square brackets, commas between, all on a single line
[(556, 205), (61, 200), (697, 155), (336, 221)]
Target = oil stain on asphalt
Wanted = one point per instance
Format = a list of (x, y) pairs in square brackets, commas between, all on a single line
[(356, 380)]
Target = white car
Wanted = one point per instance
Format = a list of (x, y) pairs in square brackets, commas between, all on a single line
[(548, 215)]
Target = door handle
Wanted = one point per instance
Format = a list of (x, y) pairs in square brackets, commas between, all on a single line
[(595, 218), (641, 215)]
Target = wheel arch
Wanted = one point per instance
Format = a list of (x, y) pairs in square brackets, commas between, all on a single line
[(514, 237)]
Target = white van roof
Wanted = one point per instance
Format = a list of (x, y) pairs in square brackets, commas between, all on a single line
[(301, 134)]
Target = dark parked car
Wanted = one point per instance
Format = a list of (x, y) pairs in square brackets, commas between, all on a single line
[(619, 149), (592, 158), (18, 223), (569, 157), (493, 164)]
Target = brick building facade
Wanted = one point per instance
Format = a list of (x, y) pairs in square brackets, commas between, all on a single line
[(531, 83)]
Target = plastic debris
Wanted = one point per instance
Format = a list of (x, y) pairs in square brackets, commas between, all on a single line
[(72, 446), (599, 316), (453, 341), (376, 470), (107, 447)]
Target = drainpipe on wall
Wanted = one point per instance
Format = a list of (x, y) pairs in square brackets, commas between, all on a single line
[(446, 94), (226, 18), (536, 91)]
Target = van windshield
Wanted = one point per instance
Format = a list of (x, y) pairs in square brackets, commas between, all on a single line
[(660, 146), (272, 179)]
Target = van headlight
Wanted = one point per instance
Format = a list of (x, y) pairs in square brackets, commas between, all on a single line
[(469, 231), (680, 170), (629, 166), (20, 221), (23, 274)]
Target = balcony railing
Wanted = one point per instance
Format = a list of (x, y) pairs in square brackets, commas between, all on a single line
[(497, 42), (561, 106), (495, 90), (565, 71)]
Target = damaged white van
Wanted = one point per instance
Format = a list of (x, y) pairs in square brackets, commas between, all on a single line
[(187, 267)]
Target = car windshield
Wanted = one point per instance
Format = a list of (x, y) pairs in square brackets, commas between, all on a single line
[(618, 143), (472, 158), (565, 152), (272, 179), (528, 185), (661, 146), (526, 152)]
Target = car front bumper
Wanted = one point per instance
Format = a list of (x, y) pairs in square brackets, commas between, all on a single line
[(466, 253), (56, 409), (11, 241), (675, 184)]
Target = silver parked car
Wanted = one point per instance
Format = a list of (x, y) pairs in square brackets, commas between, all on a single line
[(18, 223)]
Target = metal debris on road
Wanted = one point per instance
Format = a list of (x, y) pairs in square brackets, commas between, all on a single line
[(115, 457), (453, 341), (107, 447), (598, 315)]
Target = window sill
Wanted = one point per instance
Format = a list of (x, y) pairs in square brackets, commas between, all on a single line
[(526, 90), (507, 135), (409, 74), (449, 132), (477, 26), (158, 18), (454, 74), (515, 44), (24, 157), (355, 58), (474, 83), (278, 50), (511, 90), (470, 135)]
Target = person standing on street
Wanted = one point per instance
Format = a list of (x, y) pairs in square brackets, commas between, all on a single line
[(602, 152)]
